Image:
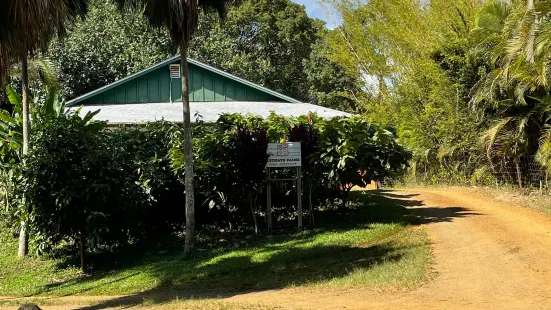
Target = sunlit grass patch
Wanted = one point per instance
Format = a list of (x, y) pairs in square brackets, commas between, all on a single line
[(371, 245)]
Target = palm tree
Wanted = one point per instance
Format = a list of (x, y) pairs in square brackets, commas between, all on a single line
[(518, 39), (26, 27), (512, 138), (181, 18)]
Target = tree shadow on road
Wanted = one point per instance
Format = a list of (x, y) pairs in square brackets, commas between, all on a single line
[(426, 214)]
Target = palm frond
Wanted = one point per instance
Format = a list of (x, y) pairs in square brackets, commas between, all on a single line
[(491, 135), (543, 155), (26, 26), (491, 18), (520, 57), (39, 69), (179, 16), (446, 151)]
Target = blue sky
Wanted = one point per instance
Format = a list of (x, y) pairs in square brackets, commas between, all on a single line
[(316, 11)]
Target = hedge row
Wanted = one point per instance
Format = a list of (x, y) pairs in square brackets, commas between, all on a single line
[(109, 188)]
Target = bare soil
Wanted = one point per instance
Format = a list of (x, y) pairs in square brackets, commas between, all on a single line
[(487, 254)]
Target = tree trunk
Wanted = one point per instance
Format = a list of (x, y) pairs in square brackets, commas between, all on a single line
[(23, 241), (383, 88), (26, 112), (519, 174), (83, 252), (310, 207), (188, 155), (253, 213), (23, 233)]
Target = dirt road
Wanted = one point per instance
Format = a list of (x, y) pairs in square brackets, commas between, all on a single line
[(487, 255)]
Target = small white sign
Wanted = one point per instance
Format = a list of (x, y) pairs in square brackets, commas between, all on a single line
[(284, 155)]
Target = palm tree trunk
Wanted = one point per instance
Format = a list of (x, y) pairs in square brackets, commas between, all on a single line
[(23, 233), (23, 241), (26, 121), (188, 155)]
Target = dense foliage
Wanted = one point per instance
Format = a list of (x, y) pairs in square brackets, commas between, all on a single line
[(76, 185), (106, 46), (264, 41), (464, 82), (42, 111), (84, 185)]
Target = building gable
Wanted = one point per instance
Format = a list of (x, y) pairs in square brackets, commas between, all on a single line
[(155, 85)]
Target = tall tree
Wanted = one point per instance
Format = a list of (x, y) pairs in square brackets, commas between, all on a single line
[(25, 27), (395, 47), (264, 41), (181, 17), (106, 46), (331, 85)]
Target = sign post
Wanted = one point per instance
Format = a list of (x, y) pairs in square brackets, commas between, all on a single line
[(284, 155)]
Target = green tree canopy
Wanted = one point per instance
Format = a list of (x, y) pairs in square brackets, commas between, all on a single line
[(264, 41), (106, 46)]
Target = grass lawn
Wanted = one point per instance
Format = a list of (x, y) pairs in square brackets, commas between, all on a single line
[(175, 304), (373, 245)]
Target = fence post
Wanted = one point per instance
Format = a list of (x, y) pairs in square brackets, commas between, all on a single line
[(299, 197), (269, 202)]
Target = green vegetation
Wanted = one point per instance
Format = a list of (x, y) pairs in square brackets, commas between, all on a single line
[(106, 46), (369, 246), (125, 43), (101, 191), (465, 83), (144, 303)]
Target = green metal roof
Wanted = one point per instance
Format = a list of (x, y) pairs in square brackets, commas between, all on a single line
[(103, 89)]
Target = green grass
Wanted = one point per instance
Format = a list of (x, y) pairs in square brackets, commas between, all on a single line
[(177, 303), (371, 246), (145, 303)]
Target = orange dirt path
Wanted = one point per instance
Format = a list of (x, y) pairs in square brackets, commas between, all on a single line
[(487, 255)]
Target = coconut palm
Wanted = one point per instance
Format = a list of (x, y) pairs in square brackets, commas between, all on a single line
[(181, 18), (25, 28), (511, 138), (517, 39)]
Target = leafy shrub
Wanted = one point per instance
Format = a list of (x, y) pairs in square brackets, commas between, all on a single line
[(353, 152), (145, 154), (104, 189), (78, 186)]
